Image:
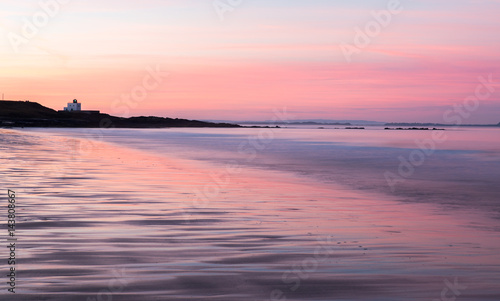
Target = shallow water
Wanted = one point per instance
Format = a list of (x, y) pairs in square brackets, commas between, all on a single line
[(191, 215), (461, 168)]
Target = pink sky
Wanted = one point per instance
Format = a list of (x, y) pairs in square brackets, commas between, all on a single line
[(259, 58)]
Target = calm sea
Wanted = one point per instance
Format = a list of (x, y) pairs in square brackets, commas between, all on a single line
[(252, 214)]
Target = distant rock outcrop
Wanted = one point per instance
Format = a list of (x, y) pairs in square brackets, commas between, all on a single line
[(32, 114)]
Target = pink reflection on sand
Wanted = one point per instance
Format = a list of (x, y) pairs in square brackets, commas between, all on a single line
[(114, 206)]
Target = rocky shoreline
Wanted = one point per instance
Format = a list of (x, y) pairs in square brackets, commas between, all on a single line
[(31, 114)]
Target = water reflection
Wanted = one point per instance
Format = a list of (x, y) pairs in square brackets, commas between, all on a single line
[(118, 214)]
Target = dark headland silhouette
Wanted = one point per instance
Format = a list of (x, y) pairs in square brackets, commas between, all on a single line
[(32, 114)]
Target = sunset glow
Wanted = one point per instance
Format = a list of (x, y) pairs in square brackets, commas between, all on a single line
[(254, 57)]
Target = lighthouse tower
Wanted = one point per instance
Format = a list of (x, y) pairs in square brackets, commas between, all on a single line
[(73, 106)]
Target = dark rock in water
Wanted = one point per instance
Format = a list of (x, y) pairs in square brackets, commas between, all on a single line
[(414, 129)]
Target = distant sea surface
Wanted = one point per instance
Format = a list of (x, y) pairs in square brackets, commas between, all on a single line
[(295, 213)]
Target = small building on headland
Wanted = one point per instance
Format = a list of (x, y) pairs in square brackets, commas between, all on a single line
[(75, 106)]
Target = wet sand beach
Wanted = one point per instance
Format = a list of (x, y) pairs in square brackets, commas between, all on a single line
[(142, 216)]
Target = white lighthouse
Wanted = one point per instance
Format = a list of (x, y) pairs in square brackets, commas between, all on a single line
[(73, 106)]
